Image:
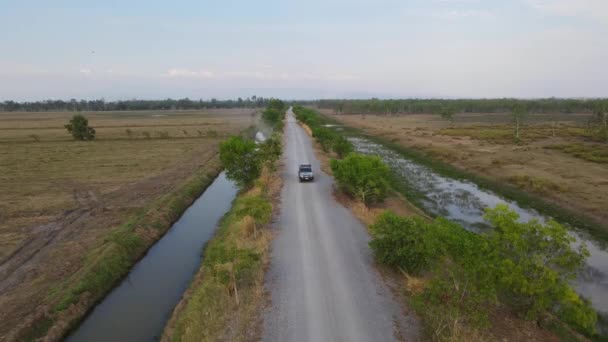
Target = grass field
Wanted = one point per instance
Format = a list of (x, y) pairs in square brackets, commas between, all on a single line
[(556, 157), (61, 199)]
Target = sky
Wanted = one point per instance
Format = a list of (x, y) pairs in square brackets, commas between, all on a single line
[(150, 49)]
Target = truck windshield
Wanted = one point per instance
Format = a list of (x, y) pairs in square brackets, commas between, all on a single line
[(305, 169)]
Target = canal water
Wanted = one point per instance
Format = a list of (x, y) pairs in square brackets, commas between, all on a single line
[(138, 309), (464, 202)]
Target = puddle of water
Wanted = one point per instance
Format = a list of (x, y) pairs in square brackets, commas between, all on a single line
[(464, 202), (139, 307)]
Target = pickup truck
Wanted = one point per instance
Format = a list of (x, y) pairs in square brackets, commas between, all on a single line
[(305, 173)]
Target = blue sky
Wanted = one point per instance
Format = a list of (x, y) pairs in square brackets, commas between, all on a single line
[(303, 49)]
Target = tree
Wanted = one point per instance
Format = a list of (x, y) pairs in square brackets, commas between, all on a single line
[(519, 114), (534, 264), (363, 177), (600, 116), (240, 159), (447, 113), (270, 150), (79, 128), (342, 146)]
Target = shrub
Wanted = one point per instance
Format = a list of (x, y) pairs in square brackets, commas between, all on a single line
[(129, 133), (534, 262), (363, 177), (79, 128), (342, 146), (528, 266), (404, 242), (270, 150), (146, 134), (239, 157), (324, 136)]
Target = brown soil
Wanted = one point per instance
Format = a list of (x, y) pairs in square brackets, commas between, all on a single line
[(56, 249), (78, 203), (564, 179)]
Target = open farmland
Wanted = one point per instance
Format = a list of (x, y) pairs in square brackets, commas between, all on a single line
[(60, 198), (557, 158)]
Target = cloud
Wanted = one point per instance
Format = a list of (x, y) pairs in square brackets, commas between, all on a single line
[(591, 8), (186, 73), (458, 14), (85, 71)]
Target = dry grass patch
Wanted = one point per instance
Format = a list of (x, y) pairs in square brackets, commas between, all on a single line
[(536, 184)]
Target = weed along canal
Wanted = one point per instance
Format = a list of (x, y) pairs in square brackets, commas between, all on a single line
[(139, 307), (464, 202)]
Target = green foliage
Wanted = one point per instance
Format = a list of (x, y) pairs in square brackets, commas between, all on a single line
[(324, 136), (102, 105), (274, 112), (447, 113), (79, 128), (240, 159), (361, 176), (342, 146), (534, 262), (257, 207), (270, 150), (417, 106), (404, 242), (528, 266), (327, 138)]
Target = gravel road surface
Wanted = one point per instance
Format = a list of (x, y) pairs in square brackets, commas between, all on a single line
[(322, 279)]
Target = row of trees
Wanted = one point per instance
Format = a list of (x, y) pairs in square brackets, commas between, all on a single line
[(440, 106), (102, 105), (364, 177)]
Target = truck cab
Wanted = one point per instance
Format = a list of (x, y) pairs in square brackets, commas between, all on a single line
[(305, 173)]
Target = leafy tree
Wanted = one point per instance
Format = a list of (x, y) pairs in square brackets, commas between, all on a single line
[(270, 150), (324, 136), (363, 177), (447, 113), (240, 159), (79, 128), (534, 262), (342, 146), (404, 242), (600, 116), (519, 114)]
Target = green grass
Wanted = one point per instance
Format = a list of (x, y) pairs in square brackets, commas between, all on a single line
[(595, 153)]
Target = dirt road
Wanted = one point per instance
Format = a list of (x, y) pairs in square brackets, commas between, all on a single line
[(322, 279)]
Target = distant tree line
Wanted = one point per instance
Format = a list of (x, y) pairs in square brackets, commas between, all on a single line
[(438, 106), (74, 105)]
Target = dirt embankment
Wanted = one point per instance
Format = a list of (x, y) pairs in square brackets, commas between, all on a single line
[(478, 144)]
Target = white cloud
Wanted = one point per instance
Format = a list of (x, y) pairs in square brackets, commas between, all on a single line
[(190, 73), (591, 8), (85, 71), (458, 14)]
